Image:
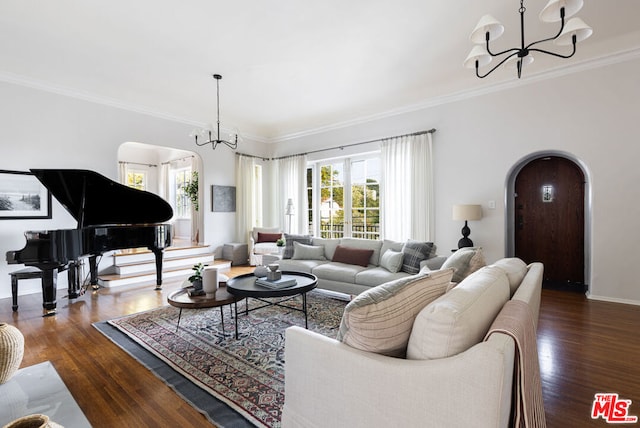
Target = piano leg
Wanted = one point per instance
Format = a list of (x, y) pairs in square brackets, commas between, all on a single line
[(49, 282), (93, 272), (73, 278), (158, 253)]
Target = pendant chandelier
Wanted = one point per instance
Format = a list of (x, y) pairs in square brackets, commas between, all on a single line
[(489, 29), (203, 133)]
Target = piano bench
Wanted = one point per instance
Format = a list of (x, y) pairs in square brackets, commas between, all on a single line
[(26, 273)]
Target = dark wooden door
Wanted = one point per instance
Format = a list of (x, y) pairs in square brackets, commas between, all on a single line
[(549, 217)]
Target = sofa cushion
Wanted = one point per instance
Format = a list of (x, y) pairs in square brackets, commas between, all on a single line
[(268, 237), (388, 244), (336, 271), (290, 239), (352, 256), (266, 248), (300, 265), (379, 319), (415, 252), (328, 244), (307, 252), (460, 318), (366, 244), (392, 260), (516, 270), (464, 261), (377, 275)]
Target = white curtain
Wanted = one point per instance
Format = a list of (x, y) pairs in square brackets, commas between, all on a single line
[(163, 180), (291, 176), (246, 196), (197, 217), (407, 183), (122, 172)]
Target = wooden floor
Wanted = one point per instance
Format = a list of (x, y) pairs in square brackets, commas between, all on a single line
[(585, 347)]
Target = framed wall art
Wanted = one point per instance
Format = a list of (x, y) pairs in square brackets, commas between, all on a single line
[(22, 196), (223, 199)]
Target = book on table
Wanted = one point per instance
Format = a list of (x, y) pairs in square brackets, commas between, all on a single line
[(277, 283)]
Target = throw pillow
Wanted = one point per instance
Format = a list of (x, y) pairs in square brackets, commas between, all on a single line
[(392, 260), (268, 237), (307, 252), (290, 239), (352, 256), (464, 261), (380, 319), (415, 252), (516, 270), (460, 318)]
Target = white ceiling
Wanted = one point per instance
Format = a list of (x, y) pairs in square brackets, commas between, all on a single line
[(289, 67)]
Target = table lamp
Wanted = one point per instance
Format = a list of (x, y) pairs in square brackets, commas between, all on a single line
[(466, 213)]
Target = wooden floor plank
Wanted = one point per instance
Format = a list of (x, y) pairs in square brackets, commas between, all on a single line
[(585, 347)]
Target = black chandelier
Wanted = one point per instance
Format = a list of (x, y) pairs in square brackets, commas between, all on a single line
[(214, 143), (489, 28)]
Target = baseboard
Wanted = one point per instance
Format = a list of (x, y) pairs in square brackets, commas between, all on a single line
[(612, 299)]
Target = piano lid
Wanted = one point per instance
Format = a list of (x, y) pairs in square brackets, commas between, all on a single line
[(93, 199)]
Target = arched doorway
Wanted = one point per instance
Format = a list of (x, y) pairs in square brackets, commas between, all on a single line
[(162, 169), (547, 215)]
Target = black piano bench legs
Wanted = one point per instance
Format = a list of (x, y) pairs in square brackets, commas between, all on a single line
[(49, 307)]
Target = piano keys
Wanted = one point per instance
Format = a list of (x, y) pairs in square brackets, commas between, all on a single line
[(110, 216)]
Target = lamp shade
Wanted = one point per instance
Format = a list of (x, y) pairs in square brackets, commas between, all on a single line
[(467, 212), (486, 24), (289, 210), (551, 12), (577, 27), (478, 53)]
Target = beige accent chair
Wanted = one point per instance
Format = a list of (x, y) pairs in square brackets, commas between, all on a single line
[(259, 249)]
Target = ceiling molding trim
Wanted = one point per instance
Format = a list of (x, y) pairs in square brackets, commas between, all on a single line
[(110, 102), (611, 59)]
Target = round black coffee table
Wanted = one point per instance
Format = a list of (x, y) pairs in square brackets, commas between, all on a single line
[(244, 286)]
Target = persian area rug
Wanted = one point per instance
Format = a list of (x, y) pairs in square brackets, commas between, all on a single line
[(247, 374)]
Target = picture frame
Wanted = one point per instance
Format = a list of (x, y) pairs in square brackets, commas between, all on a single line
[(22, 196), (223, 199)]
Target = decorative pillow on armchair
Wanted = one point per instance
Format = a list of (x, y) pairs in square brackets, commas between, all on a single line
[(268, 237), (290, 239)]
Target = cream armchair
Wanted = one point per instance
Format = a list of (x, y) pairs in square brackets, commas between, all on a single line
[(262, 241)]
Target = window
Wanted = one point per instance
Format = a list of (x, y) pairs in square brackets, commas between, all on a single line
[(365, 199), (332, 200), (137, 179), (310, 193), (348, 203), (182, 204)]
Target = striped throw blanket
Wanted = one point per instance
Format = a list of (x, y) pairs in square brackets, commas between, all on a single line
[(516, 320)]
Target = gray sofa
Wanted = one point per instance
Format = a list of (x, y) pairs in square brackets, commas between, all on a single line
[(302, 254)]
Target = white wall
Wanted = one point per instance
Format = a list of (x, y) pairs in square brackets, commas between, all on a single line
[(41, 129), (590, 114)]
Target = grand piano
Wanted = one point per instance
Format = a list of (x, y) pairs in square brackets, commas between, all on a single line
[(110, 216)]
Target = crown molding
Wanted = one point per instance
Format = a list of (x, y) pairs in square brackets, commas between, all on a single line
[(590, 64), (603, 61)]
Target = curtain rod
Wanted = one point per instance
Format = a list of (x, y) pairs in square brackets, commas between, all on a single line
[(178, 159), (429, 131), (252, 156), (137, 163)]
